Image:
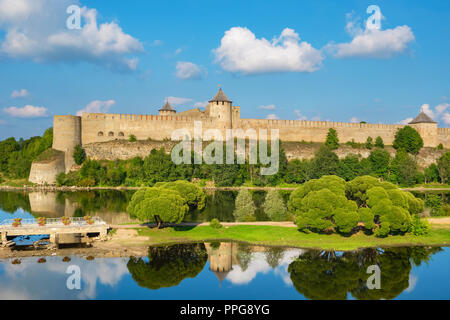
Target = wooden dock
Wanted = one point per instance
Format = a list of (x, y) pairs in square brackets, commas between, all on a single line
[(78, 229)]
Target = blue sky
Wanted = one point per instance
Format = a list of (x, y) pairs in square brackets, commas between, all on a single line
[(319, 61)]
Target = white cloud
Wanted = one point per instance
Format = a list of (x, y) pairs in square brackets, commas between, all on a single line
[(177, 101), (406, 121), (268, 107), (22, 93), (188, 70), (97, 106), (201, 104), (427, 110), (354, 120), (36, 31), (178, 51), (446, 118), (240, 51), (438, 113), (441, 108), (372, 43), (299, 115), (157, 43), (28, 111), (272, 116)]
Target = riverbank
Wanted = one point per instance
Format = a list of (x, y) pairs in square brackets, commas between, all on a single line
[(35, 188), (274, 236)]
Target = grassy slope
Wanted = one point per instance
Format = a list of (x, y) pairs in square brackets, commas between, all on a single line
[(270, 235)]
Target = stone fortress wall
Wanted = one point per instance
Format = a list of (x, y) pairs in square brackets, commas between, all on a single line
[(109, 127), (220, 114)]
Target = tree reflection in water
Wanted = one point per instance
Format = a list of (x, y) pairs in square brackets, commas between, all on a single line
[(168, 265), (331, 276)]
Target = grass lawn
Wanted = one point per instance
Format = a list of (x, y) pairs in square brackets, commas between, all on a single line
[(281, 236)]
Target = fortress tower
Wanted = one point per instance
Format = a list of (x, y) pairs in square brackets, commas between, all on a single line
[(220, 109), (67, 135), (427, 129), (167, 110)]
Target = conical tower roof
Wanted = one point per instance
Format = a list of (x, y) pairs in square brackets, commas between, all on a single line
[(167, 107), (422, 118), (220, 97)]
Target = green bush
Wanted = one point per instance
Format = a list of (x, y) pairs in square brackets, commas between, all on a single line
[(369, 143), (79, 155), (215, 223), (132, 138), (329, 204), (86, 182), (367, 218), (408, 139), (379, 142), (419, 227), (244, 206), (274, 206)]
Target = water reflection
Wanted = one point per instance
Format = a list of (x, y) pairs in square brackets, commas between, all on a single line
[(225, 270), (111, 205), (168, 266), (328, 275)]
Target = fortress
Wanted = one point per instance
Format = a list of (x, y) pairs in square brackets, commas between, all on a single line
[(91, 128)]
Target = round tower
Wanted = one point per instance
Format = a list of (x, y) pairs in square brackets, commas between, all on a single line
[(66, 135), (427, 129), (220, 108), (167, 110)]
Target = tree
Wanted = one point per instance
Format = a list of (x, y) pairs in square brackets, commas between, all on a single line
[(379, 160), (379, 142), (244, 206), (431, 173), (404, 168), (408, 139), (163, 205), (79, 155), (325, 162), (369, 143), (332, 139), (443, 167), (194, 195), (349, 167), (132, 138), (274, 206)]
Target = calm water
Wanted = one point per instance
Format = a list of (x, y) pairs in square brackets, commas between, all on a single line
[(111, 205), (235, 271)]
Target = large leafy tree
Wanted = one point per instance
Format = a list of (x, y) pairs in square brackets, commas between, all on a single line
[(408, 139), (274, 206), (163, 205), (244, 206), (194, 195)]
